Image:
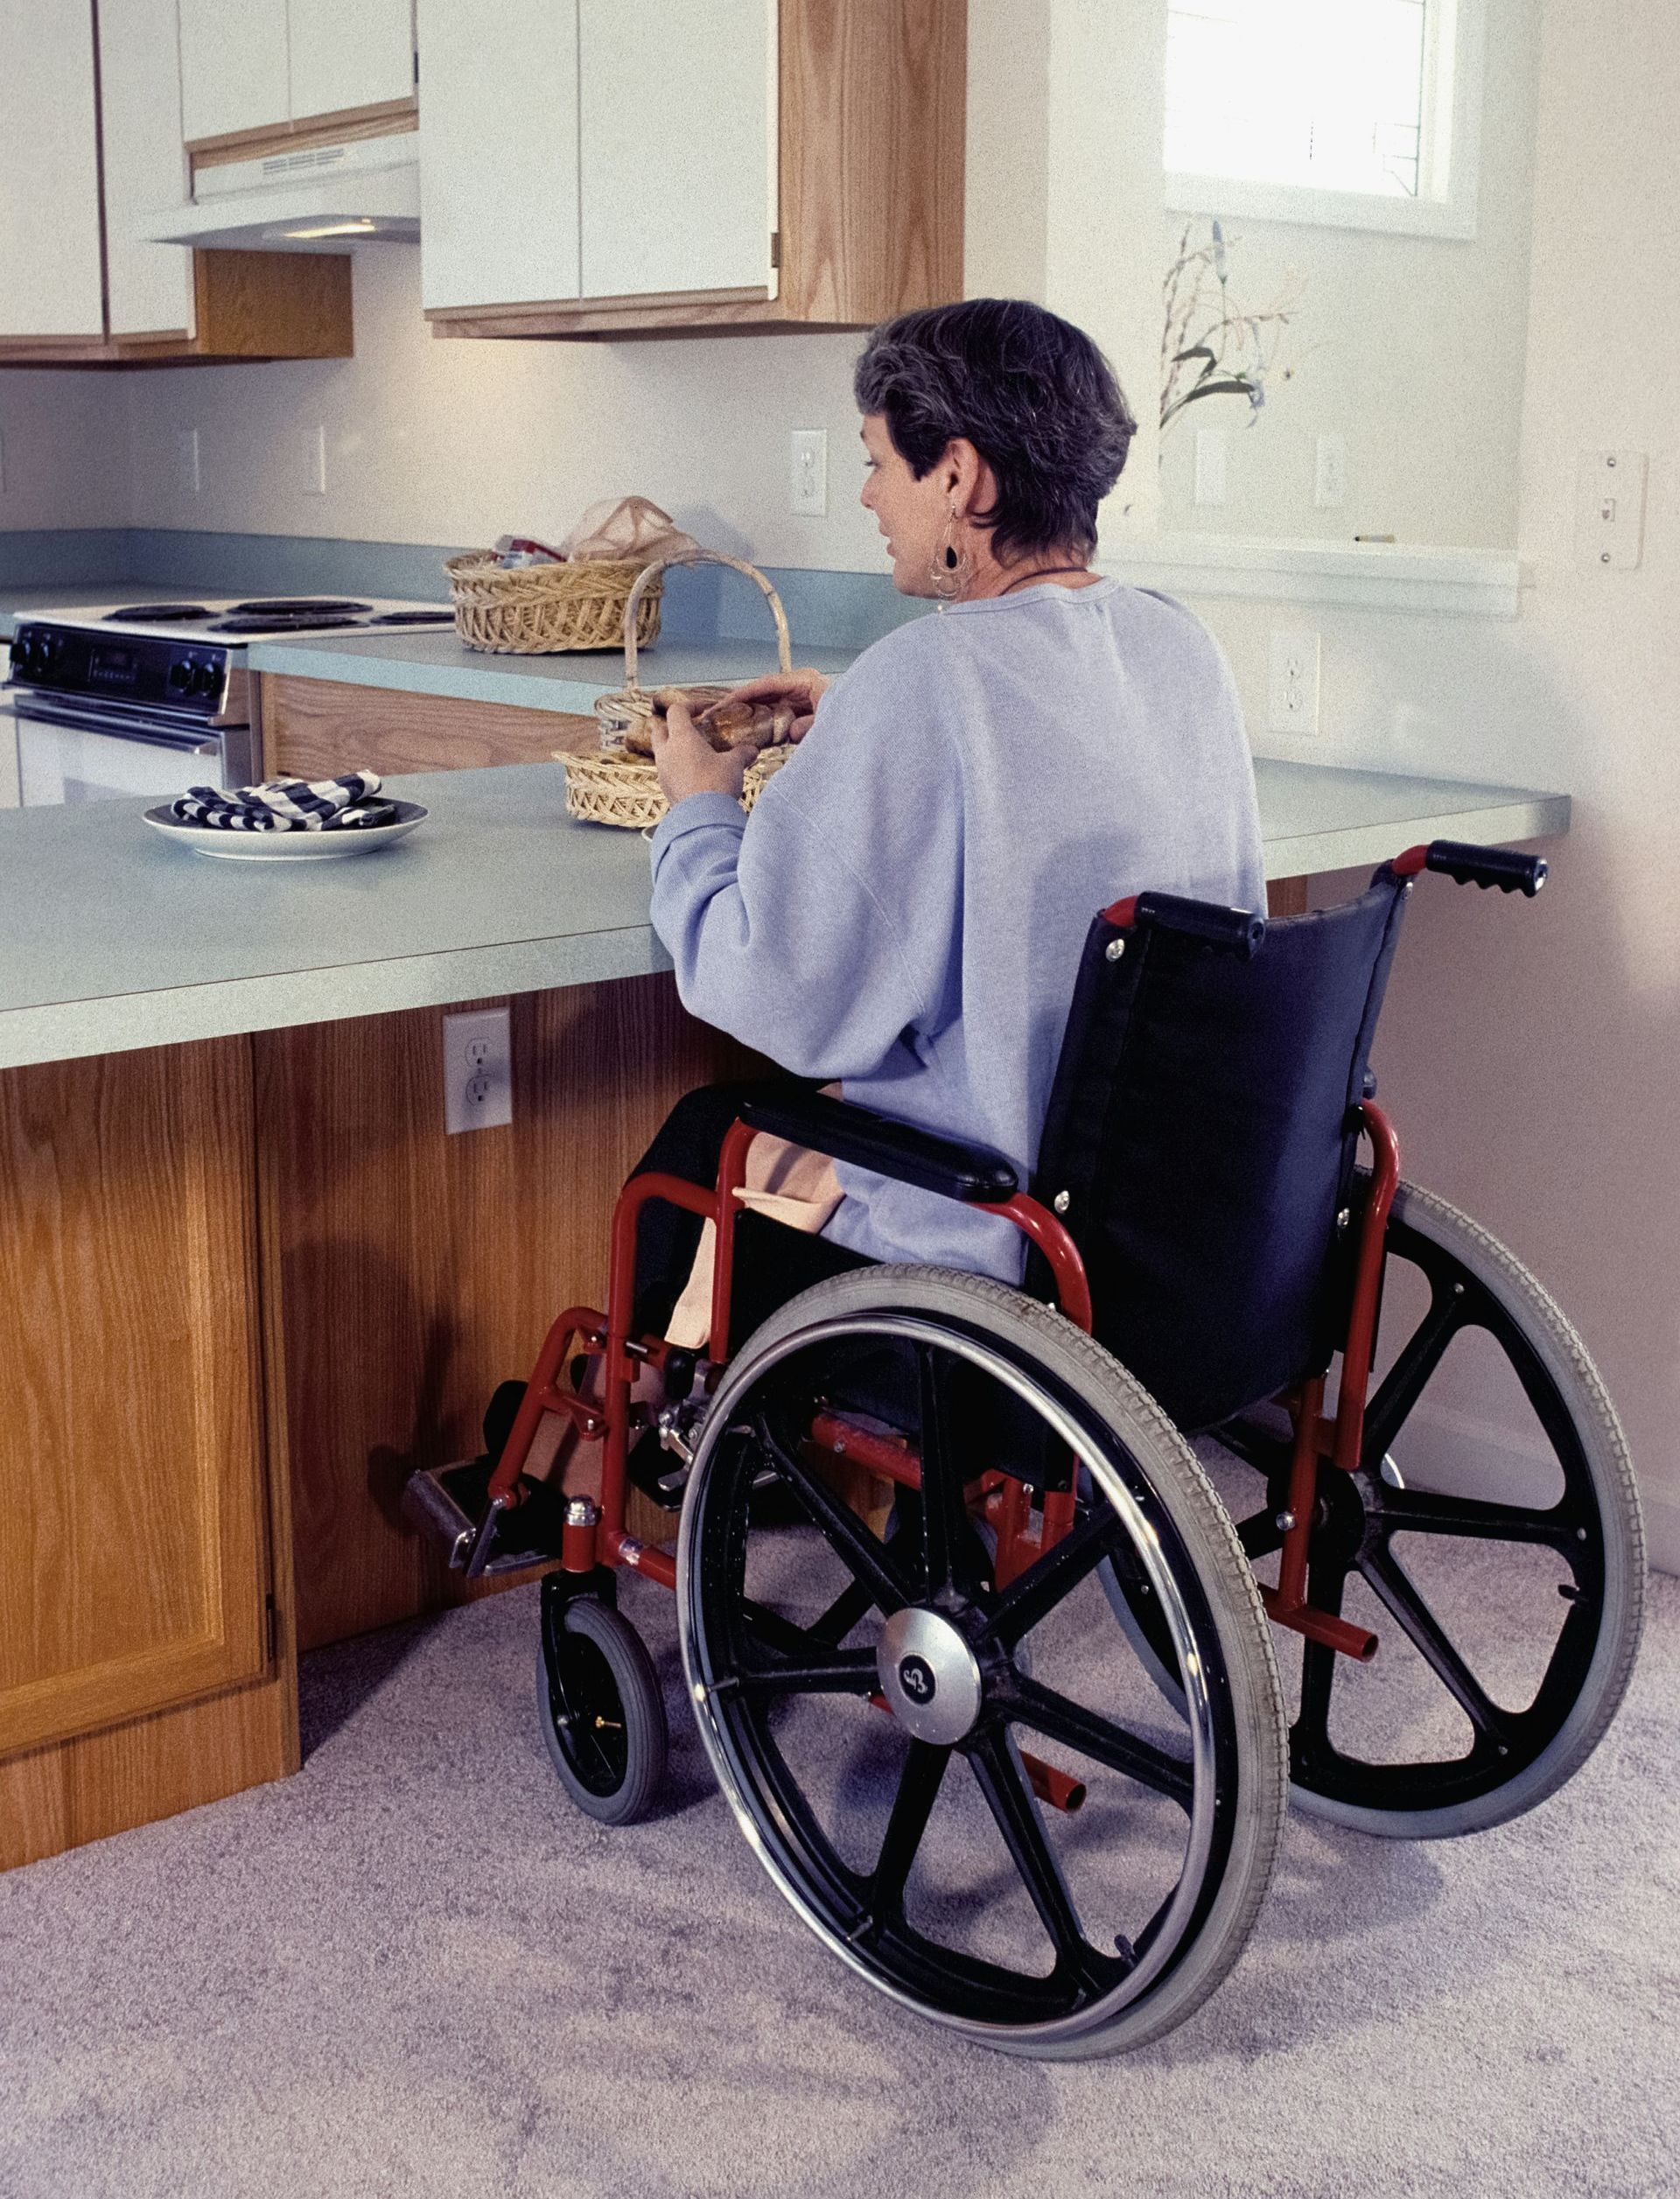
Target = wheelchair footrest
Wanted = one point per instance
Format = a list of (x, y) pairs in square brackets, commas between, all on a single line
[(449, 1503)]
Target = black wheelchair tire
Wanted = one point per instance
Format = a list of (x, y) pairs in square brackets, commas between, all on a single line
[(590, 1662), (1618, 1529), (1233, 1645)]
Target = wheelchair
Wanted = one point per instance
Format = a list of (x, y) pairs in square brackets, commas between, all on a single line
[(981, 1656)]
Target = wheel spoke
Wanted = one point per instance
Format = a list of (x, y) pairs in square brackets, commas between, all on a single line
[(807, 1663), (1422, 1512), (912, 1805), (1423, 1630), (1010, 1799), (1054, 1577), (857, 1550), (946, 1535), (1310, 1735), (1099, 1738), (1403, 1384), (838, 1621)]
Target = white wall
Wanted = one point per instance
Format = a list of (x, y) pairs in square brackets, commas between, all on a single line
[(1530, 1052), (1411, 347), (64, 447)]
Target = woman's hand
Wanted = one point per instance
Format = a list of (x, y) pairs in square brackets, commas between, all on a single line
[(688, 763), (801, 690)]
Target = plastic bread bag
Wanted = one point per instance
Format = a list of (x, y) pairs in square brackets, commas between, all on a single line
[(627, 527)]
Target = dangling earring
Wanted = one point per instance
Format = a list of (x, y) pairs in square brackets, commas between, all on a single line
[(948, 574)]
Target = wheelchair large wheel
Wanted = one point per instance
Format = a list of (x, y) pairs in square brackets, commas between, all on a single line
[(914, 1844), (1491, 1539)]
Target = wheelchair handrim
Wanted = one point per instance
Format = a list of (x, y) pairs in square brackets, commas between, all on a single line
[(735, 1772)]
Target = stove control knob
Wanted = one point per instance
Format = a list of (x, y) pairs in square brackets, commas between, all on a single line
[(207, 679), (180, 675)]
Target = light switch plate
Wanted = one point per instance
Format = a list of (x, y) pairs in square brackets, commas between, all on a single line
[(807, 472), (315, 462), (188, 472), (1330, 473), (477, 1071), (1610, 508)]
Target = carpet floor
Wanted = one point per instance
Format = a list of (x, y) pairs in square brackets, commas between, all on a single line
[(414, 1970)]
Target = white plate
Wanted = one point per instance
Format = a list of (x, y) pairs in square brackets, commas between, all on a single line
[(295, 847)]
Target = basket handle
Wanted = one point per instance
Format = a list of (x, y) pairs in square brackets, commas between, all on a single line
[(784, 643)]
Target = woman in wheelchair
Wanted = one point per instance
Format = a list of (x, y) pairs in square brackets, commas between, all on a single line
[(978, 1648)]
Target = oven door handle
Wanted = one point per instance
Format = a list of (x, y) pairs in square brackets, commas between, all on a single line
[(111, 726)]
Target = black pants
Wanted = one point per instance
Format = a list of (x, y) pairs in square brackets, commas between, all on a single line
[(772, 1263)]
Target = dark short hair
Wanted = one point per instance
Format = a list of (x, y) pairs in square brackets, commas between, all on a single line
[(1032, 393)]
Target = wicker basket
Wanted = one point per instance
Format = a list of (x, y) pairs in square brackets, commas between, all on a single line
[(540, 610), (615, 788)]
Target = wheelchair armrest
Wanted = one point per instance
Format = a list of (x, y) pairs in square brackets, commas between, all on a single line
[(868, 1140)]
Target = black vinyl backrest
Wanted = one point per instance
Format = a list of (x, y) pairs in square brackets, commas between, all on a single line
[(1201, 1125)]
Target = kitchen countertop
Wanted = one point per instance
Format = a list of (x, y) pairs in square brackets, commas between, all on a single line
[(115, 940), (434, 662)]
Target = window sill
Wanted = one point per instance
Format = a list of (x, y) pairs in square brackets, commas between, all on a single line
[(1467, 584)]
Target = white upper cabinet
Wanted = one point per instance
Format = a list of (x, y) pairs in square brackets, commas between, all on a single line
[(348, 53), (498, 151), (50, 275), (677, 122), (235, 73), (150, 286), (257, 63)]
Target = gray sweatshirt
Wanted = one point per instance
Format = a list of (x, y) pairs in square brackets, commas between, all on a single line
[(904, 909)]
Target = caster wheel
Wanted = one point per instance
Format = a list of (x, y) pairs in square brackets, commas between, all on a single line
[(600, 1708)]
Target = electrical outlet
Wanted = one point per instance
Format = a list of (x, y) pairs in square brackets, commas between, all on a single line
[(1610, 508), (477, 1071), (1294, 704), (1330, 477), (1210, 465), (188, 472), (315, 462), (807, 472), (2, 464)]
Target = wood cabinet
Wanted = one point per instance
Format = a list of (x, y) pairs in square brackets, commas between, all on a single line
[(141, 1571), (254, 66), (686, 164), (311, 729), (94, 93)]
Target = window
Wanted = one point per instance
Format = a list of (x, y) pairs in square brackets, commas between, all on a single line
[(1361, 112)]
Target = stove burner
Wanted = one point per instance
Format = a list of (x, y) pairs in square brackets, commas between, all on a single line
[(440, 617), (305, 625), (159, 614), (296, 607)]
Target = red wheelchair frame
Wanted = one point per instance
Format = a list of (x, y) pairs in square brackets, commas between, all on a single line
[(597, 1536)]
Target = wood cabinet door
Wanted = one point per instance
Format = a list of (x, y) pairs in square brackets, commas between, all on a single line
[(134, 1564), (51, 279), (677, 127), (348, 53), (235, 71), (498, 151), (150, 286)]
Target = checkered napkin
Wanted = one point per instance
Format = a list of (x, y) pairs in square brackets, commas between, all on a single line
[(344, 804)]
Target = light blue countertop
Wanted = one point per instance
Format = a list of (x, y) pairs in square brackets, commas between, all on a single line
[(111, 939), (422, 662), (434, 662)]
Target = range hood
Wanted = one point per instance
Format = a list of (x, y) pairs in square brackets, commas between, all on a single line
[(319, 199)]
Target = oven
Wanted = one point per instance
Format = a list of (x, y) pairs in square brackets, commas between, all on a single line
[(100, 753), (147, 699)]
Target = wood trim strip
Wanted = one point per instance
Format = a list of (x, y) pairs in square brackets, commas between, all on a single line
[(385, 118)]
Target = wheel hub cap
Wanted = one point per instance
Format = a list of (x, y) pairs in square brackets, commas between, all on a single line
[(929, 1676)]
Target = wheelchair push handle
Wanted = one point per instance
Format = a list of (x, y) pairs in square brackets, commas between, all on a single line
[(1230, 931), (1468, 865)]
